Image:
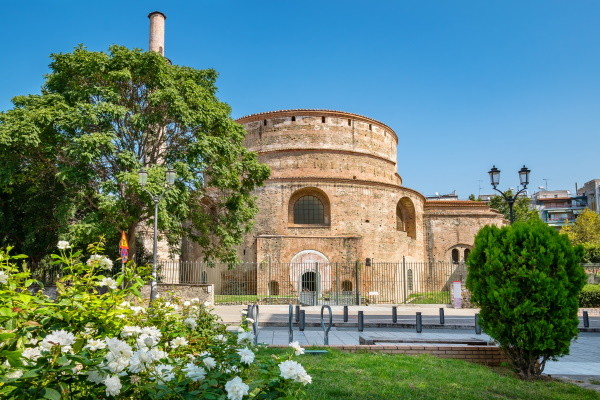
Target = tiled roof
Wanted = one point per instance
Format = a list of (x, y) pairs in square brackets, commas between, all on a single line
[(456, 203)]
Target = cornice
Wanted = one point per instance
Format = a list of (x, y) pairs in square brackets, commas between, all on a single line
[(313, 112)]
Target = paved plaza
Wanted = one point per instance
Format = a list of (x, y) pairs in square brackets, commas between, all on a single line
[(582, 364)]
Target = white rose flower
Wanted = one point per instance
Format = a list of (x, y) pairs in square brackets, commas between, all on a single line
[(16, 374), (245, 337), (145, 341), (110, 282), (244, 312), (190, 323), (96, 377), (293, 370), (102, 261), (187, 303), (129, 330), (249, 320), (95, 344), (221, 338), (207, 304), (194, 372), (209, 362), (297, 349), (236, 389), (63, 245), (158, 354), (32, 353), (246, 355), (166, 372), (137, 310), (60, 338), (113, 385), (179, 341), (3, 277), (152, 331), (118, 356), (140, 361)]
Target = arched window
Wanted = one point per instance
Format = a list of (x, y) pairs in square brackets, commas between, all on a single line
[(405, 217), (309, 210), (467, 251), (409, 279), (309, 206), (455, 255), (274, 288), (346, 286)]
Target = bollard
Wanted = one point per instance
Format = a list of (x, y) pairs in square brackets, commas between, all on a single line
[(394, 314), (255, 323), (477, 327), (290, 328), (419, 325), (326, 331), (302, 320), (297, 314), (442, 318), (345, 313), (361, 321), (586, 320)]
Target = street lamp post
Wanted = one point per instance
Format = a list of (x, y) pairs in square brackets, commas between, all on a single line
[(495, 180), (156, 198)]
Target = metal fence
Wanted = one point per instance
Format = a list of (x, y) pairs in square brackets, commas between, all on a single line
[(593, 273), (316, 284)]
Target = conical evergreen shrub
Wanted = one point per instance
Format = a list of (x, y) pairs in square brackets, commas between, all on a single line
[(526, 279)]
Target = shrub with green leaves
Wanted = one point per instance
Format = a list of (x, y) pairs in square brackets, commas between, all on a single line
[(97, 339), (590, 296), (526, 278)]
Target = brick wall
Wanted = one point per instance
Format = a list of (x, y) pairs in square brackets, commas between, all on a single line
[(487, 355)]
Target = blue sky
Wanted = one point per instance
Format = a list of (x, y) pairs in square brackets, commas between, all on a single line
[(465, 84)]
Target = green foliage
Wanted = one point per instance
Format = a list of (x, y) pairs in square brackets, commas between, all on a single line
[(71, 155), (526, 278), (586, 232), (92, 342), (429, 298), (590, 296), (521, 209)]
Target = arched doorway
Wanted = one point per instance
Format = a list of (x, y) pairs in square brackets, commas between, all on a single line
[(309, 282), (310, 270)]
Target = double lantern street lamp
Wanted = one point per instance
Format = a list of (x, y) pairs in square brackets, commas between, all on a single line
[(170, 180), (495, 180)]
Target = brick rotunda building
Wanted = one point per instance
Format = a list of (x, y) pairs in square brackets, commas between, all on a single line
[(335, 198)]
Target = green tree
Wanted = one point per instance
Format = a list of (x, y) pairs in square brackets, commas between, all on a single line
[(521, 209), (526, 278), (586, 232), (72, 153)]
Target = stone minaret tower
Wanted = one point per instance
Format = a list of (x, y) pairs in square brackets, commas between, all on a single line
[(157, 32)]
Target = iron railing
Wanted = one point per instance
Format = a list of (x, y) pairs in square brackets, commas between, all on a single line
[(318, 283), (349, 283)]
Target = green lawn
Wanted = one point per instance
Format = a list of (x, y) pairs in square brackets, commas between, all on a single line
[(368, 376), (429, 298)]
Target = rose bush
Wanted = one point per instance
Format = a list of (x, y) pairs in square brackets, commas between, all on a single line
[(97, 339)]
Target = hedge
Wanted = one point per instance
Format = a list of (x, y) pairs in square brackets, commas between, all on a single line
[(590, 296)]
